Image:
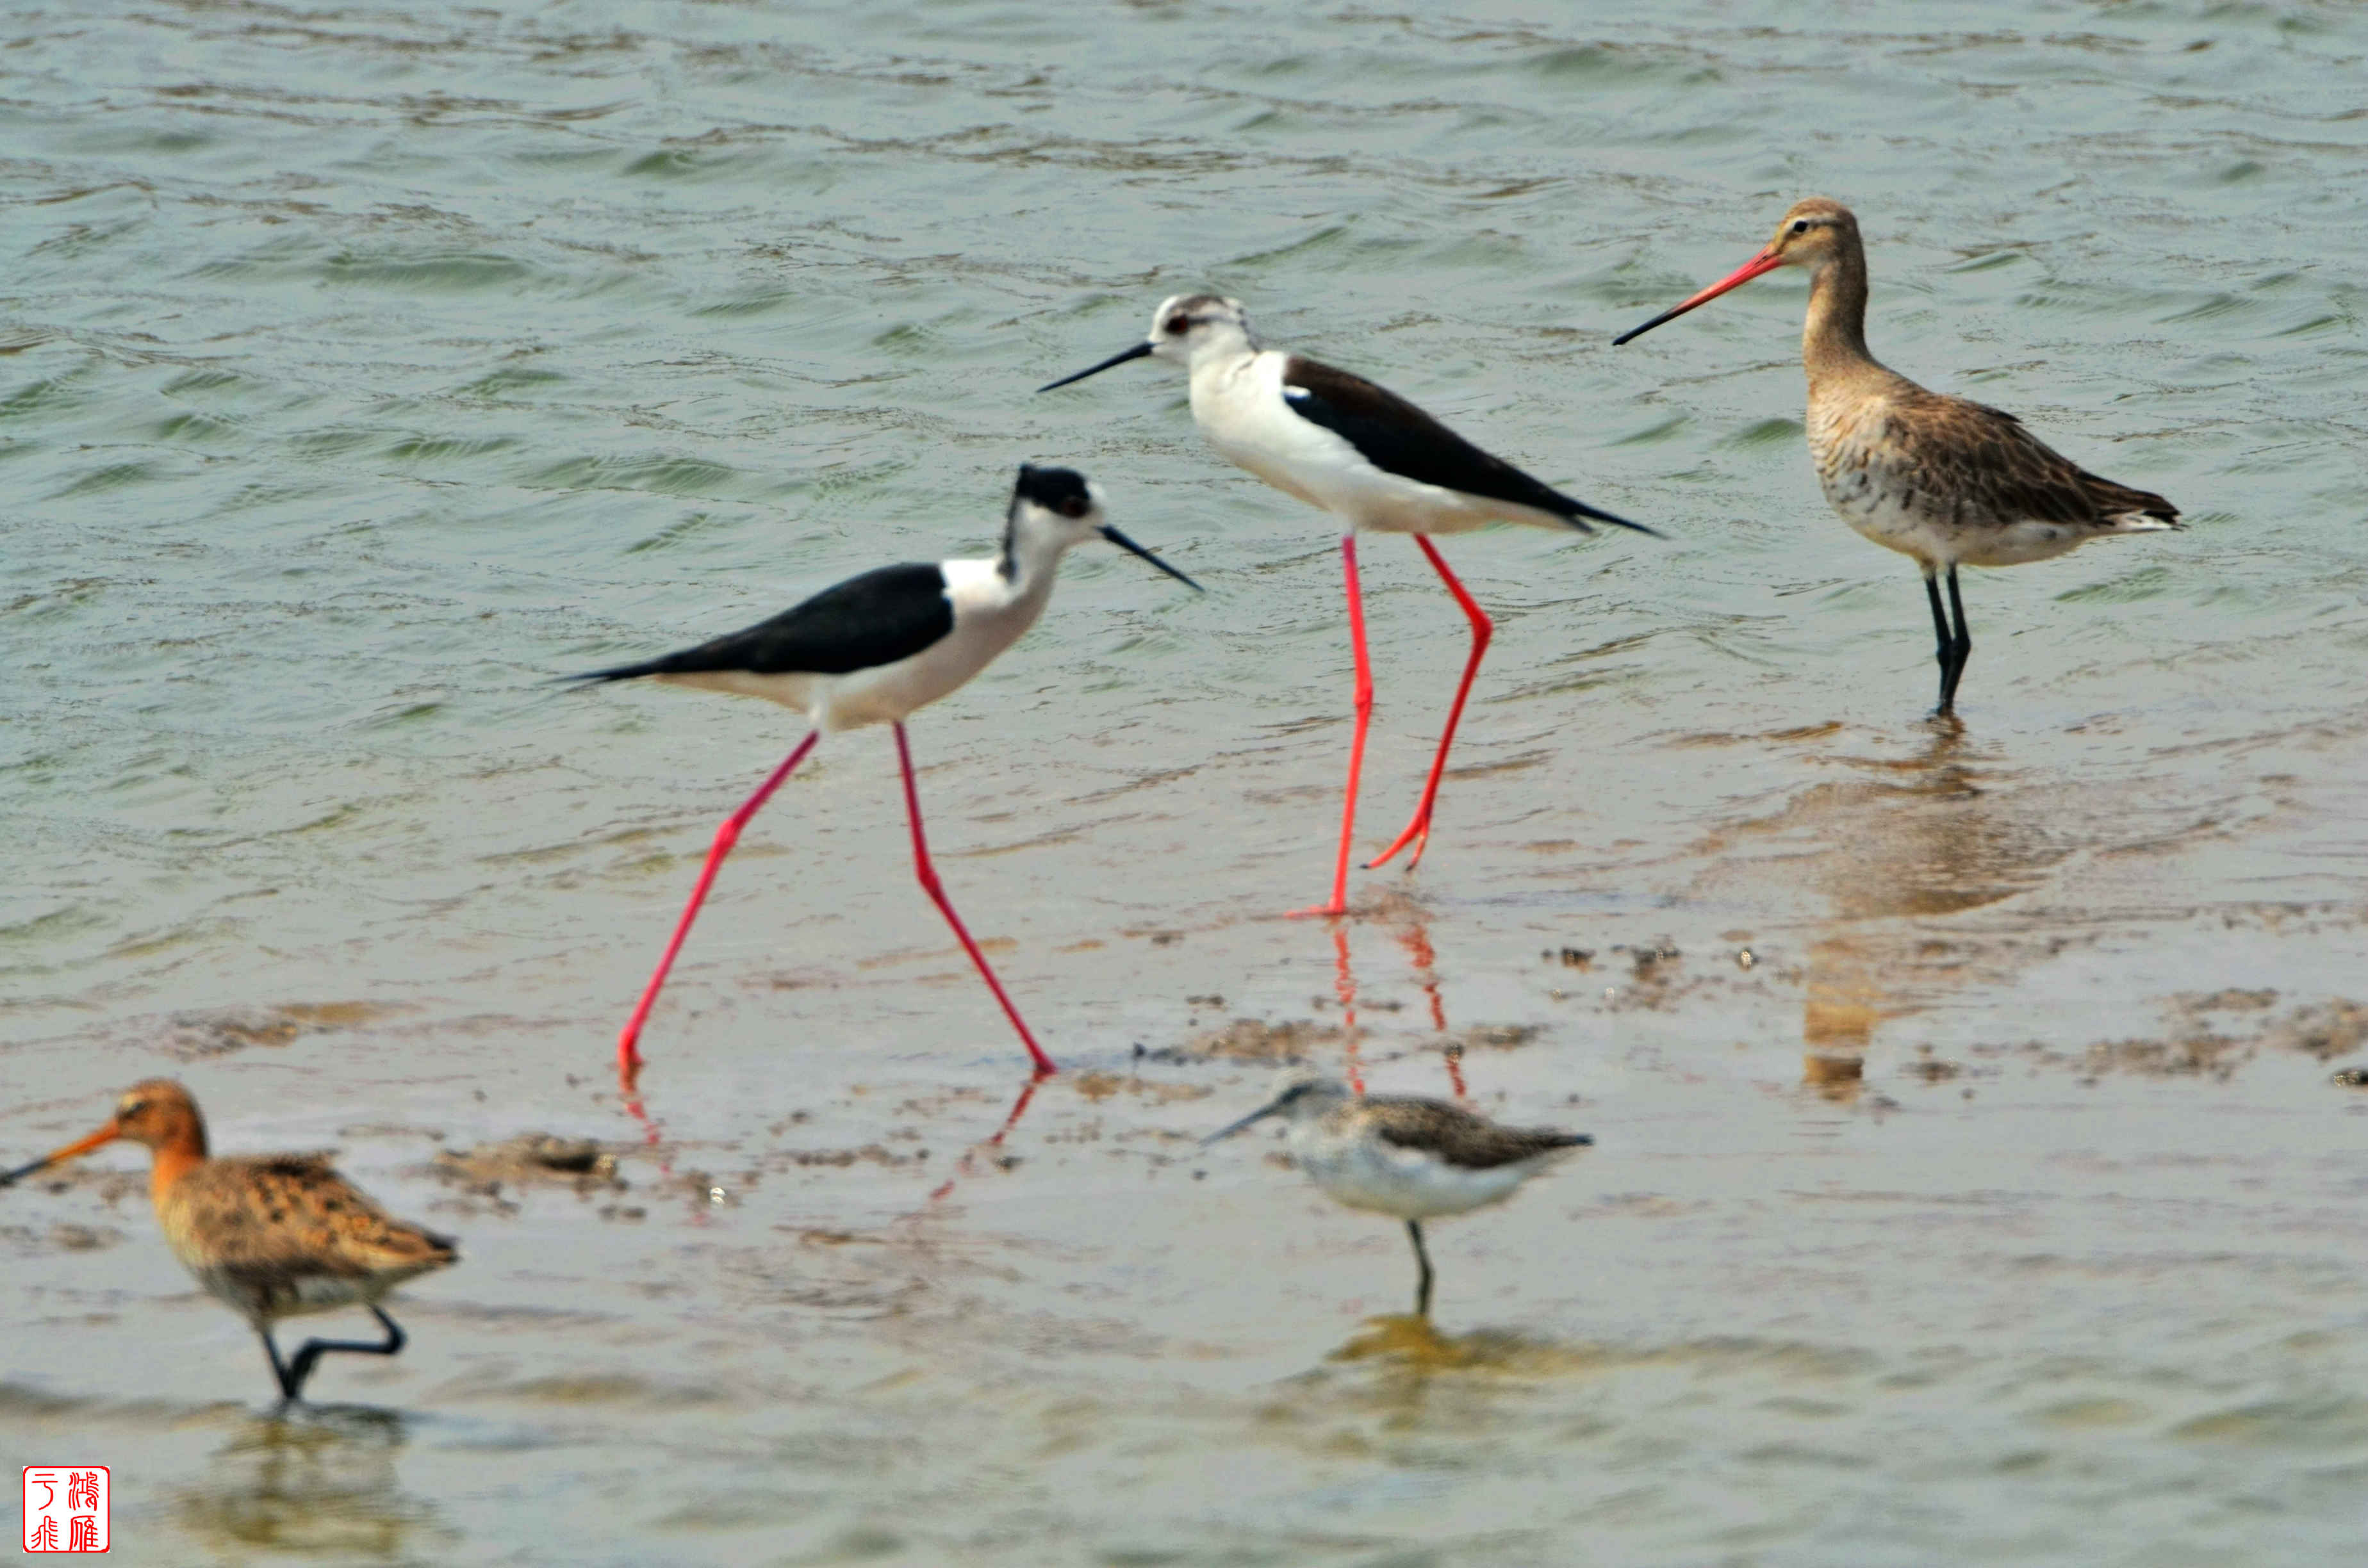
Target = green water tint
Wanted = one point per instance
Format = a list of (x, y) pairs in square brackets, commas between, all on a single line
[(359, 372)]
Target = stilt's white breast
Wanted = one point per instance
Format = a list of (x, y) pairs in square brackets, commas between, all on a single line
[(1237, 402), (991, 613)]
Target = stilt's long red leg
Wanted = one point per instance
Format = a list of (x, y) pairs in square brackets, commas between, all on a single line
[(1417, 832), (937, 891), (1339, 904), (629, 1056)]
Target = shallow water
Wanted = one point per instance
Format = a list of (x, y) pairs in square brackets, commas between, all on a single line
[(361, 369)]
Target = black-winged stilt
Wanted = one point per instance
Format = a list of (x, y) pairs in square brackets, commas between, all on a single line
[(1412, 1158), (1942, 480), (870, 651), (1369, 457)]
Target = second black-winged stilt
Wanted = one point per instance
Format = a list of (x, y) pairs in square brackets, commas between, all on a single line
[(1371, 459)]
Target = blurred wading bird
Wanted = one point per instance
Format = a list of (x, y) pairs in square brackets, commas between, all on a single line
[(1943, 480), (267, 1235), (1414, 1159), (1369, 458), (871, 650)]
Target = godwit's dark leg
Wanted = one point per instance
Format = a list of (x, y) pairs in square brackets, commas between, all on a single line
[(1364, 699), (1960, 649), (288, 1389), (1422, 1280), (937, 891), (629, 1056), (292, 1381), (1945, 651), (1418, 830)]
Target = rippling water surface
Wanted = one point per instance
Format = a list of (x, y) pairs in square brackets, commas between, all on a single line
[(1969, 1184)]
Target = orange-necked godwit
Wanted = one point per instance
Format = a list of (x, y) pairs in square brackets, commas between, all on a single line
[(268, 1235), (1370, 458), (1944, 480)]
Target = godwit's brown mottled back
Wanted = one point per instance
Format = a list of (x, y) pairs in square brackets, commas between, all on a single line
[(270, 1236), (1947, 482)]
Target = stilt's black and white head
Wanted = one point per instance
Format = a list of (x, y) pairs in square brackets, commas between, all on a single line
[(1302, 1096), (1185, 329), (1052, 508)]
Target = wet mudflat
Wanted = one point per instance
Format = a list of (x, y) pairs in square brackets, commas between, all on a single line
[(1969, 1181)]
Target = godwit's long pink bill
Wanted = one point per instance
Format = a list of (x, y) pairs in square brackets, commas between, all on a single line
[(1371, 459), (872, 651), (1941, 479)]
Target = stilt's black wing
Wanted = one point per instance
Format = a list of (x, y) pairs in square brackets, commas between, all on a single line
[(876, 619), (1397, 437)]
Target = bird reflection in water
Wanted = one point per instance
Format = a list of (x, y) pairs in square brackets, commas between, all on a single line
[(1410, 929), (989, 1149), (1415, 937), (1343, 991), (703, 1199), (699, 1197), (321, 1484), (1415, 1343), (1911, 840)]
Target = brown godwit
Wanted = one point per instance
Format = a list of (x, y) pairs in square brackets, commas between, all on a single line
[(1399, 1155), (1947, 482), (270, 1236)]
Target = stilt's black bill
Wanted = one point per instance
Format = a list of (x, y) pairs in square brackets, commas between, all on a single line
[(1125, 543), (1137, 352)]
